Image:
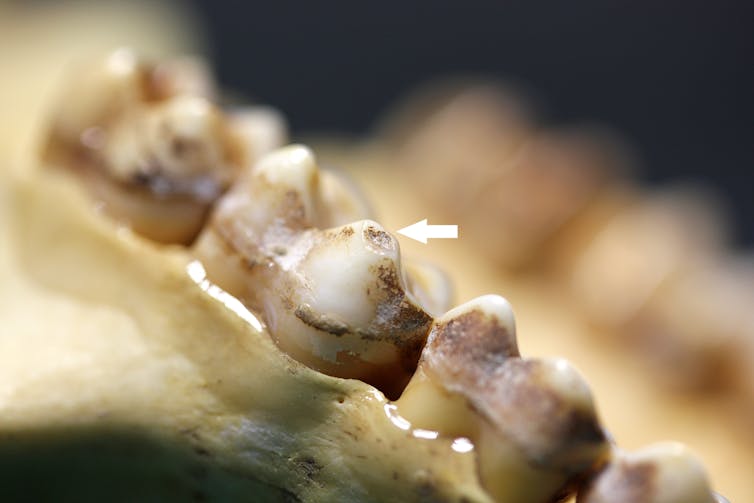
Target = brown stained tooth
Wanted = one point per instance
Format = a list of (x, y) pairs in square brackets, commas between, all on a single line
[(150, 146), (661, 473), (336, 299), (532, 421)]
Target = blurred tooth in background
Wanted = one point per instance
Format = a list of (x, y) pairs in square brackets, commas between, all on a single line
[(150, 145), (42, 41)]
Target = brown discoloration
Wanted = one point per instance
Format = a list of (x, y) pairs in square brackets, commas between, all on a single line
[(548, 428), (379, 238), (184, 147), (346, 232), (319, 321), (622, 482), (309, 468), (468, 349), (395, 312)]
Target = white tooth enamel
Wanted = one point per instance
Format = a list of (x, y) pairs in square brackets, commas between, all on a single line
[(288, 170), (347, 300), (339, 271), (336, 299)]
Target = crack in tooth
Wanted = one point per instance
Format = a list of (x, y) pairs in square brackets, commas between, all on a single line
[(530, 419), (149, 144), (660, 473)]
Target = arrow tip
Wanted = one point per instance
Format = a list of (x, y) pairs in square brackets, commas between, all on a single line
[(417, 231)]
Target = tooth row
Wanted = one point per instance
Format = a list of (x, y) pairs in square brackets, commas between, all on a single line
[(295, 244), (151, 145), (559, 200)]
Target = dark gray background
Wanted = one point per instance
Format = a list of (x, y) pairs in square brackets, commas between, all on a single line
[(676, 78)]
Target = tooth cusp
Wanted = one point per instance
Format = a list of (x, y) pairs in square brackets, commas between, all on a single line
[(469, 343), (661, 473)]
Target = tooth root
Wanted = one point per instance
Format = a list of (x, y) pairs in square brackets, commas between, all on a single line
[(661, 473), (533, 421)]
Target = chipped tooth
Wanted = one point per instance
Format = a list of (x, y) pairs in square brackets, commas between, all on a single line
[(661, 473), (531, 419)]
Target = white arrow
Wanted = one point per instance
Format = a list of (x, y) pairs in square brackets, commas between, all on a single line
[(421, 231)]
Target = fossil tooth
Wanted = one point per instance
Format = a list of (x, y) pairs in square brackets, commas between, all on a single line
[(530, 419), (661, 473)]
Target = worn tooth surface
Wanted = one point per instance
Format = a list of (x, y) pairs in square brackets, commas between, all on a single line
[(336, 299), (181, 146), (661, 473), (532, 420), (150, 145), (343, 307)]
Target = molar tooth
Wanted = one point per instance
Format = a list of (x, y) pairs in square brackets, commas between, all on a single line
[(661, 473), (345, 309), (529, 418), (337, 299), (180, 141), (149, 145)]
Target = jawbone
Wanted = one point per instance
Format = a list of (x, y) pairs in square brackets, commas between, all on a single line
[(135, 353)]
